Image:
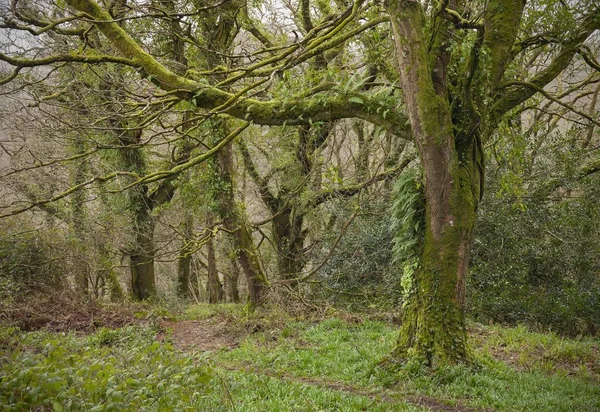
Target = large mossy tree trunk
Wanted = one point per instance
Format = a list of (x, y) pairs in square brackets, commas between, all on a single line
[(450, 117), (433, 330)]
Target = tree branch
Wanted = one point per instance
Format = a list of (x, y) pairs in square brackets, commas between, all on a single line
[(352, 190), (511, 98), (295, 112)]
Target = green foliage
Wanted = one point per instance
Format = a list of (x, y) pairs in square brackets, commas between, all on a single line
[(347, 352), (28, 263), (124, 369), (341, 351), (375, 260), (208, 310), (407, 220), (408, 226), (535, 256), (333, 364), (538, 266)]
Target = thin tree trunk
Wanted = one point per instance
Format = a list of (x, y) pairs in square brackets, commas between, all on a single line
[(81, 266), (234, 219), (213, 284), (115, 292), (184, 259), (289, 242), (143, 284), (232, 281)]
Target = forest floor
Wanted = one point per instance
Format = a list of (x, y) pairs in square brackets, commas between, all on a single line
[(218, 357)]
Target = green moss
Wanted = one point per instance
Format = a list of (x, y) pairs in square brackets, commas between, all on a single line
[(433, 331), (501, 19)]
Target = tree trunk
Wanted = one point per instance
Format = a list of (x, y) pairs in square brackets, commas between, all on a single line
[(433, 330), (234, 218), (184, 260), (115, 292), (213, 284), (143, 284), (289, 242), (81, 266), (232, 281)]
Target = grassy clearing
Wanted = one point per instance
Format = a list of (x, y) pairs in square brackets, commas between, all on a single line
[(290, 364)]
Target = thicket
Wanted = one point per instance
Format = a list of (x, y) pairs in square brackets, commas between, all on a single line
[(30, 263), (534, 259), (538, 262), (124, 369)]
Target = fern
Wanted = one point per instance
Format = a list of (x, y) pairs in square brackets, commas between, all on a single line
[(408, 218), (407, 224)]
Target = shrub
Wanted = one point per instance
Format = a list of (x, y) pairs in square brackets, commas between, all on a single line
[(28, 265)]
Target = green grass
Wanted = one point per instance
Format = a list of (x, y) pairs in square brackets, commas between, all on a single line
[(337, 351), (286, 364), (205, 311)]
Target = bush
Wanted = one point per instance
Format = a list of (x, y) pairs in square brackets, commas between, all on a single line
[(539, 264), (28, 265), (360, 271)]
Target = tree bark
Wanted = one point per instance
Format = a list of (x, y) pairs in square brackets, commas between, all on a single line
[(213, 284), (81, 266), (234, 218), (232, 281), (143, 284), (433, 330), (289, 242), (184, 260)]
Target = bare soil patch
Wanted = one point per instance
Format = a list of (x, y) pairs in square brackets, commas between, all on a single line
[(205, 335)]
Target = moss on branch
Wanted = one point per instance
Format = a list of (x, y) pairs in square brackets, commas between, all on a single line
[(297, 112)]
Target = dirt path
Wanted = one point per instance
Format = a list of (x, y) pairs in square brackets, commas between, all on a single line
[(207, 335)]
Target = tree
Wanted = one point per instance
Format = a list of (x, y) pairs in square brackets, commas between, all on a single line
[(453, 110)]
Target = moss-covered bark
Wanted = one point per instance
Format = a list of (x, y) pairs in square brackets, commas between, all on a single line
[(289, 242), (300, 111), (184, 259), (213, 283), (231, 281), (433, 330), (143, 284)]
